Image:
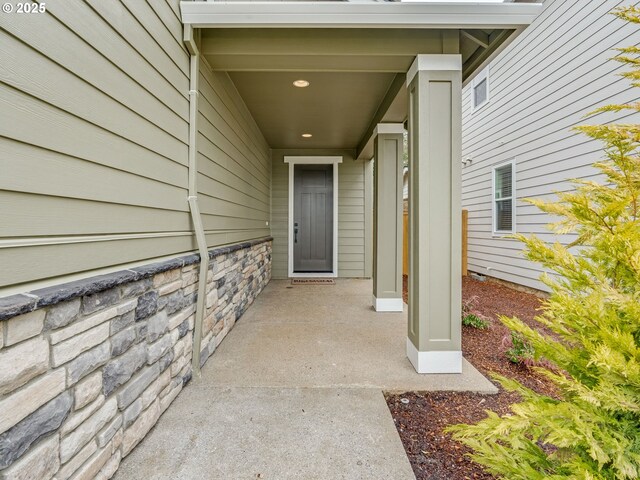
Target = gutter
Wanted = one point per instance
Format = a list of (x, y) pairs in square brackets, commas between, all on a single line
[(201, 240)]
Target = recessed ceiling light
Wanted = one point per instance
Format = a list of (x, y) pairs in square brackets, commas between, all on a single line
[(307, 135), (300, 83)]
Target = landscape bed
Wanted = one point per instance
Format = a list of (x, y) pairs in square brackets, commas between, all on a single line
[(421, 417)]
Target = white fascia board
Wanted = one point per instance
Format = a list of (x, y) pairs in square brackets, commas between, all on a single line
[(203, 14)]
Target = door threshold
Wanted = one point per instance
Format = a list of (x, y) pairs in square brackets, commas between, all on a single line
[(313, 281), (312, 275)]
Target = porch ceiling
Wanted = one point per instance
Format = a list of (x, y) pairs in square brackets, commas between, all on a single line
[(335, 108), (354, 55)]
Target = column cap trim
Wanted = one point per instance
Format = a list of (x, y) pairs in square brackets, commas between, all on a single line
[(434, 62), (383, 129), (388, 128)]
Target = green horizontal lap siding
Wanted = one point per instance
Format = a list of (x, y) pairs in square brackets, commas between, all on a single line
[(234, 164), (351, 209), (87, 252), (351, 215), (94, 147), (94, 143), (279, 215)]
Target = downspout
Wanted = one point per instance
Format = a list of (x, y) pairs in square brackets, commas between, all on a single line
[(201, 240)]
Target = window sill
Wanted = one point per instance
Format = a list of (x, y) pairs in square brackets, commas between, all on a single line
[(502, 235), (480, 107)]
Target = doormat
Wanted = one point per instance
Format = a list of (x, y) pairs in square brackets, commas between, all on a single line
[(313, 281)]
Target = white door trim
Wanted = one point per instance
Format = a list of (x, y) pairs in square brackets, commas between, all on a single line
[(293, 160)]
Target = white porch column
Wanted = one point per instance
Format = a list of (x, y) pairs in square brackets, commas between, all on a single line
[(387, 220), (435, 277)]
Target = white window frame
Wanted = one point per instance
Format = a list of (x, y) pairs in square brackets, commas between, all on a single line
[(494, 230), (300, 160), (483, 75)]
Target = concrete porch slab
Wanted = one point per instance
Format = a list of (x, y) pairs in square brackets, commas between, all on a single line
[(264, 433), (325, 336), (295, 391)]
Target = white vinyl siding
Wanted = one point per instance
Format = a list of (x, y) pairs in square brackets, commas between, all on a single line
[(504, 198), (541, 86)]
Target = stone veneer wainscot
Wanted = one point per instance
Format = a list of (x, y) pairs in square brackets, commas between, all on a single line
[(88, 367)]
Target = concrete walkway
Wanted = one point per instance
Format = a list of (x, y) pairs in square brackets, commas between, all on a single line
[(295, 391)]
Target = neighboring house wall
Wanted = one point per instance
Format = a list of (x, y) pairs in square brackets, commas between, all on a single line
[(95, 110), (540, 87), (351, 211)]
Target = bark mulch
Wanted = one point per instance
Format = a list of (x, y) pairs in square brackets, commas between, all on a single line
[(421, 417)]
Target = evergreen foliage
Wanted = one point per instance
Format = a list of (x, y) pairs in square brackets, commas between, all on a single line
[(592, 431)]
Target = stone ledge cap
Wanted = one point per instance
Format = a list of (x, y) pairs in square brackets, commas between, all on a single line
[(22, 303)]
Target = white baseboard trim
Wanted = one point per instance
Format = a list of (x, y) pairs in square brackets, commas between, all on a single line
[(434, 362), (388, 304)]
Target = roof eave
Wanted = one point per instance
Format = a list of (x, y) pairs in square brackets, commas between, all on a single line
[(247, 14)]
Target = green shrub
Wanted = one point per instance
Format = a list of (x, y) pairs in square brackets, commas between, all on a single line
[(471, 317), (520, 351), (475, 321), (592, 431)]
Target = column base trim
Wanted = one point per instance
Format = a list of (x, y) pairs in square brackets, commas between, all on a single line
[(434, 362), (388, 304)]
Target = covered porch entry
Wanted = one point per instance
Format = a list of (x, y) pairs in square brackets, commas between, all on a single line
[(338, 83)]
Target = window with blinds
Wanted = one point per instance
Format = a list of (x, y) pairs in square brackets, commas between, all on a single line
[(503, 198)]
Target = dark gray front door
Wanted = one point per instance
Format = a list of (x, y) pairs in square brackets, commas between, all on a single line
[(313, 218)]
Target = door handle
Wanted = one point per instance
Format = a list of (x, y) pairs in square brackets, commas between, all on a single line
[(295, 232)]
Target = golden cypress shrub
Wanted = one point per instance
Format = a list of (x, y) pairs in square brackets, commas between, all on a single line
[(592, 431)]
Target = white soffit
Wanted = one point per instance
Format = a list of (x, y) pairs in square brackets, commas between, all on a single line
[(203, 14)]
